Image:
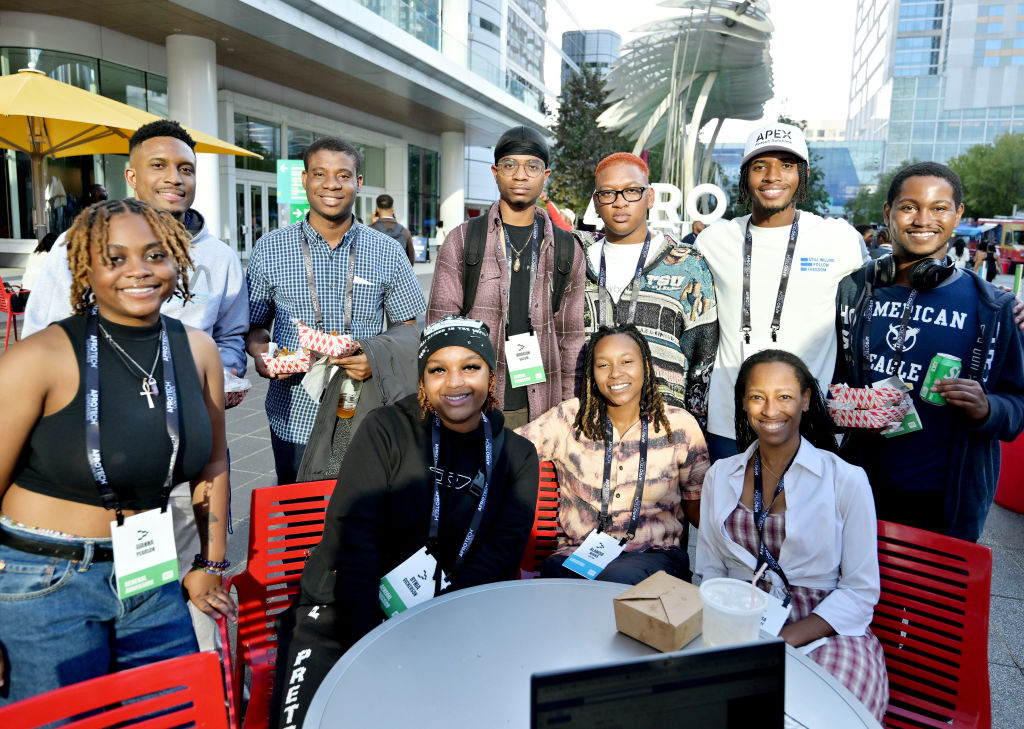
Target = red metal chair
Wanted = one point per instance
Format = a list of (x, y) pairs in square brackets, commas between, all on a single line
[(932, 620), (285, 522), (13, 310), (180, 692), (545, 532)]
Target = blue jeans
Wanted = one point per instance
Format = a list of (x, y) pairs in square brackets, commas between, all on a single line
[(62, 622)]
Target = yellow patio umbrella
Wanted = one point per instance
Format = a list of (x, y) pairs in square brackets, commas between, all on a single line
[(46, 118)]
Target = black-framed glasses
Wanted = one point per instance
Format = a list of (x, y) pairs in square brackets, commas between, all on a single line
[(629, 194), (509, 167)]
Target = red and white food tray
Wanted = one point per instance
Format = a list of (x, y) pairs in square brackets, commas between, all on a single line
[(235, 389), (284, 364), (871, 408), (332, 345)]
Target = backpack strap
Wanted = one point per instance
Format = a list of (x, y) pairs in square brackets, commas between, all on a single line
[(472, 256), (565, 252)]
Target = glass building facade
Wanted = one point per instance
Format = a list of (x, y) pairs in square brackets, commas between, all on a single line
[(419, 18), (933, 78), (77, 174), (594, 49)]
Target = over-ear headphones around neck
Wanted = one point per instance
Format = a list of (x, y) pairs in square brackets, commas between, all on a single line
[(924, 274)]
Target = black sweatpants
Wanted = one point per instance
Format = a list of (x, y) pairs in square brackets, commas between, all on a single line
[(307, 649)]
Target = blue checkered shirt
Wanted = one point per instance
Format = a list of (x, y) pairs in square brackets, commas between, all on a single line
[(279, 291)]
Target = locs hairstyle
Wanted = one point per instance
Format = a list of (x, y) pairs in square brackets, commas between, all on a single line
[(815, 425), (91, 227), (590, 419)]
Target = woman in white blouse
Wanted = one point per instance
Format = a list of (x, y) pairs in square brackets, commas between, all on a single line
[(788, 501)]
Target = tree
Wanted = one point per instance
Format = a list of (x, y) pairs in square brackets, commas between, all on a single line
[(579, 142), (993, 176)]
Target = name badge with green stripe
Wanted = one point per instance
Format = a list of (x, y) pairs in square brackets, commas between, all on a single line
[(408, 584), (145, 556), (525, 366)]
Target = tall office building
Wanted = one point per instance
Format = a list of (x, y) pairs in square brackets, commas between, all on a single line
[(932, 78), (594, 49)]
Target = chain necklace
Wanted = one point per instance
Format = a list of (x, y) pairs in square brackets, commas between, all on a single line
[(519, 252), (149, 388)]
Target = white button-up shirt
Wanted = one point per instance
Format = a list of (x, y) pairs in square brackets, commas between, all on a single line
[(831, 534)]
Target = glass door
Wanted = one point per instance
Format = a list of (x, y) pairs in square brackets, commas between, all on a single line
[(255, 213)]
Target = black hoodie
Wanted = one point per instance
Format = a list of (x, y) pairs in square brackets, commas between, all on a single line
[(379, 514)]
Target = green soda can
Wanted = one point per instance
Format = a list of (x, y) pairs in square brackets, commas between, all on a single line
[(941, 367)]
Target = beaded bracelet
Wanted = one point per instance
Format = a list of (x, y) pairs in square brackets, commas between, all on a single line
[(207, 570), (198, 562)]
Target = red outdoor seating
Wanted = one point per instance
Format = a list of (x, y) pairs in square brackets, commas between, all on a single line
[(180, 692), (544, 535), (932, 620), (285, 523)]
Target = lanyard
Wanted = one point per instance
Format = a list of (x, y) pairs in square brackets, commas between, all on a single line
[(787, 265), (435, 510), (92, 414), (307, 259), (602, 280), (760, 517), (606, 485), (534, 262), (901, 336)]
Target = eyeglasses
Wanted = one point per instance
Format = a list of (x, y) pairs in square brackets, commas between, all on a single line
[(509, 167), (630, 194)]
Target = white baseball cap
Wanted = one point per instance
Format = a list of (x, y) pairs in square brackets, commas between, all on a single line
[(775, 138)]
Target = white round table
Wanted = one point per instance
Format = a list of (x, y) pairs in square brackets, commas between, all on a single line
[(465, 660)]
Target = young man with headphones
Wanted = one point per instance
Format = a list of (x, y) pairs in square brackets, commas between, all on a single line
[(897, 313)]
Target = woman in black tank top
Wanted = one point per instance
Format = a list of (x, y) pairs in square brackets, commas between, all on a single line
[(102, 415)]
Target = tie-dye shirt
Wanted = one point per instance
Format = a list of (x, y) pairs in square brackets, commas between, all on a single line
[(675, 472)]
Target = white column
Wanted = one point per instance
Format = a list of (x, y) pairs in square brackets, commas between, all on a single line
[(455, 31), (453, 178), (192, 100)]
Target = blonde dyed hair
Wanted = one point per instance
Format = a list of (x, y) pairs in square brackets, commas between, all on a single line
[(91, 228)]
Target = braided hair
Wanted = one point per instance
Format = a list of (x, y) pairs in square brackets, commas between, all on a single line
[(91, 228), (815, 425), (590, 420)]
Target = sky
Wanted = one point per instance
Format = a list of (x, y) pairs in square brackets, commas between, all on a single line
[(811, 49)]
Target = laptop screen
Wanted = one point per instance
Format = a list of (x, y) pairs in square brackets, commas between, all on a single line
[(737, 687)]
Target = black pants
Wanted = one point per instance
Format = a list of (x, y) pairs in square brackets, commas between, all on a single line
[(629, 568), (307, 649)]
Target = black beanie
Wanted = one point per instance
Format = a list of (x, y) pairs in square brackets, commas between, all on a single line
[(455, 331), (521, 140)]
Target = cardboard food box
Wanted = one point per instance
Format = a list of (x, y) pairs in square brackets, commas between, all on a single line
[(662, 611)]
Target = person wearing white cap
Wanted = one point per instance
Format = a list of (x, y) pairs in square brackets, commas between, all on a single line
[(776, 273)]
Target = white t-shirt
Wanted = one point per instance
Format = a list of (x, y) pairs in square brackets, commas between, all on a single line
[(827, 250), (620, 259)]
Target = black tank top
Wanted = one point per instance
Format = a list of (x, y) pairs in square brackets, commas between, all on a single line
[(133, 438)]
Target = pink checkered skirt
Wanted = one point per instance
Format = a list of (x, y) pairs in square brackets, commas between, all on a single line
[(858, 662)]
